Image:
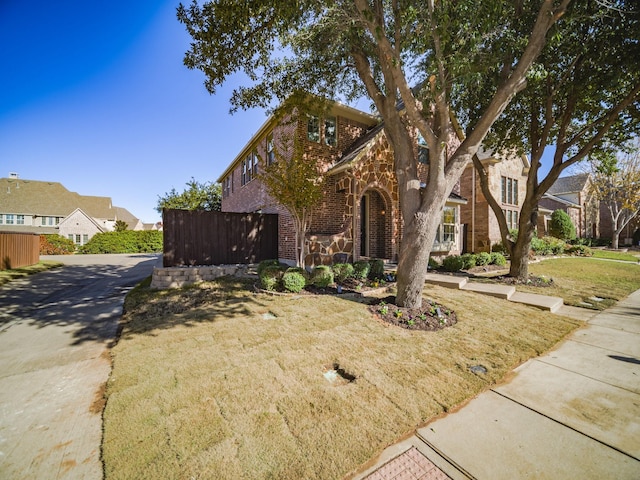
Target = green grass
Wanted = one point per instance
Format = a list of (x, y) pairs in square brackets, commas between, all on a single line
[(577, 280), (610, 255), (7, 275), (217, 381)]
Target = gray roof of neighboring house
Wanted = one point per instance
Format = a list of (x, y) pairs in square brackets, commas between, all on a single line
[(35, 197), (571, 184)]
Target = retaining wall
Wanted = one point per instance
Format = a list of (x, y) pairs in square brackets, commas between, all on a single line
[(176, 277)]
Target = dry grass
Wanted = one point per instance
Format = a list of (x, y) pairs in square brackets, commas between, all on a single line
[(576, 280), (216, 381), (7, 275)]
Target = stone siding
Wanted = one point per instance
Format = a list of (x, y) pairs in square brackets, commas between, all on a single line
[(177, 277)]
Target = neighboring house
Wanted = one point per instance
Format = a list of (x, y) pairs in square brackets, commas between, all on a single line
[(507, 176), (48, 207), (571, 194), (359, 215)]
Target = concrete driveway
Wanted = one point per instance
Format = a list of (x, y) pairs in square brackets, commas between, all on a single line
[(55, 330)]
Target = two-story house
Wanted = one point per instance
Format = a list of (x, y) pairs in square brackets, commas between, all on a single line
[(49, 208)]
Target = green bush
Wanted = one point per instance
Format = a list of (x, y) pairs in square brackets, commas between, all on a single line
[(342, 271), (267, 263), (540, 247), (453, 263), (469, 260), (293, 280), (561, 226), (434, 264), (483, 258), (499, 248), (129, 241), (498, 259), (54, 244), (579, 250), (376, 271), (322, 276), (361, 269), (271, 276)]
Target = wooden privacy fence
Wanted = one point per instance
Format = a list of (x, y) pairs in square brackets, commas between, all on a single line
[(218, 238), (18, 249)]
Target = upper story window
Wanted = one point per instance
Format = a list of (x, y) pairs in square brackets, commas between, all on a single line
[(19, 219), (227, 186), (330, 132), (243, 174), (254, 156), (50, 221), (1, 219), (9, 218), (313, 129), (509, 191), (271, 152), (423, 150)]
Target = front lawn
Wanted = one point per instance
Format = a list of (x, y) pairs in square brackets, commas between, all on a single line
[(14, 273), (217, 381), (612, 255)]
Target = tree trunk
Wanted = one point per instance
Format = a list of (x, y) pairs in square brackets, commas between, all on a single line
[(615, 240), (519, 267)]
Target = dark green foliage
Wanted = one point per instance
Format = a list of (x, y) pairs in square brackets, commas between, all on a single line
[(376, 272), (561, 226), (271, 277), (361, 269), (120, 226), (547, 246), (579, 250), (267, 263), (322, 276), (469, 260), (636, 237), (54, 244), (433, 263), (498, 259), (453, 263), (129, 241), (342, 271), (499, 248), (293, 280), (483, 258), (197, 196)]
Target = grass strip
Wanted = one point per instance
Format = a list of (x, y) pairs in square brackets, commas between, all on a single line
[(7, 275), (216, 381)]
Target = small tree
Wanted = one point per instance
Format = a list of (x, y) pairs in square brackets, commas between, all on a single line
[(615, 181), (197, 196), (561, 226), (120, 226), (295, 182)]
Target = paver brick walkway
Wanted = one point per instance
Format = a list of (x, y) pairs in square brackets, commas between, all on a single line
[(410, 465)]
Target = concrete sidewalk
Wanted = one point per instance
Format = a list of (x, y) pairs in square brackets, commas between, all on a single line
[(572, 413)]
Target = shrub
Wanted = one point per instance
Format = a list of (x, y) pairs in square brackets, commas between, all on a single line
[(267, 263), (293, 280), (322, 276), (129, 241), (483, 258), (376, 271), (561, 226), (342, 271), (498, 259), (453, 263), (499, 248), (636, 237), (271, 276), (469, 260), (54, 244), (433, 263), (579, 250), (361, 269)]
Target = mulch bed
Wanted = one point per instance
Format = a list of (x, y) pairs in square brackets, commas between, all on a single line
[(431, 316), (533, 281)]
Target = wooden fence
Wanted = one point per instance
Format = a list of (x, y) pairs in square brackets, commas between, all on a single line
[(18, 249), (218, 238)]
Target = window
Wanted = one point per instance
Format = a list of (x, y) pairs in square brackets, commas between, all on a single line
[(43, 221), (446, 233), (9, 219), (423, 150), (50, 221), (1, 219), (85, 238), (509, 191), (243, 178), (313, 129), (19, 219), (330, 134), (271, 153), (70, 236), (249, 163), (226, 191), (512, 218), (255, 162), (78, 239)]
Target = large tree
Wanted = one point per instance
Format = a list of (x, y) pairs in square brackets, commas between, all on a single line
[(582, 96), (196, 196), (381, 49), (615, 181)]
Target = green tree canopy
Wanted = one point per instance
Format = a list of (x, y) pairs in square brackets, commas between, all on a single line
[(379, 49), (197, 196)]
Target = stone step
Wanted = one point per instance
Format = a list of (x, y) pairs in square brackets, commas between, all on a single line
[(544, 302), (448, 281), (493, 289)]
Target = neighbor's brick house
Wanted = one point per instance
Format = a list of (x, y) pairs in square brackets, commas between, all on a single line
[(359, 214)]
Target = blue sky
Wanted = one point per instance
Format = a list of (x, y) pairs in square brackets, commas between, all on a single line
[(94, 95)]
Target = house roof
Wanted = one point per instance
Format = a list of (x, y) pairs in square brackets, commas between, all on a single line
[(41, 198), (79, 212), (357, 148), (571, 184), (553, 198)]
